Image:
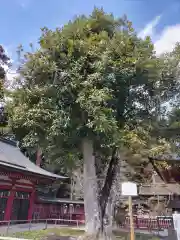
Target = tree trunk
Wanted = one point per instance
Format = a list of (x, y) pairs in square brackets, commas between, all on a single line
[(90, 188), (106, 189), (109, 212), (95, 202)]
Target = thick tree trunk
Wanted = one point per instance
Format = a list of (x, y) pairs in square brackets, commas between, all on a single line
[(106, 189), (90, 188), (109, 213), (95, 202)]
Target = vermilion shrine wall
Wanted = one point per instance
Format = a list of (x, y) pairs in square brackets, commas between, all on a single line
[(17, 194), (17, 201), (62, 210)]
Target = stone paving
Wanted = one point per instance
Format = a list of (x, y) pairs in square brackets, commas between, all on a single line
[(5, 230)]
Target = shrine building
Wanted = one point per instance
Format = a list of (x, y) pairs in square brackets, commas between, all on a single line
[(168, 169), (19, 178)]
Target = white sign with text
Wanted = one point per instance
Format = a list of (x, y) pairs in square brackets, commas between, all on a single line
[(129, 189)]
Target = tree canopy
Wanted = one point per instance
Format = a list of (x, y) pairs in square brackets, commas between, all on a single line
[(92, 88), (91, 78)]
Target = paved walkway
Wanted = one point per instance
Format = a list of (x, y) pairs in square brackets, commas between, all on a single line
[(10, 238), (146, 232), (5, 230)]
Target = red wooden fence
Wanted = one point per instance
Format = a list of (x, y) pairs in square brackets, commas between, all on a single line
[(156, 223), (76, 212)]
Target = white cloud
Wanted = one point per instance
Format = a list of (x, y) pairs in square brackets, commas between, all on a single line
[(167, 39), (150, 27)]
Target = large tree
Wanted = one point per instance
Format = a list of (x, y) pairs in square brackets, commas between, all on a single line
[(89, 94)]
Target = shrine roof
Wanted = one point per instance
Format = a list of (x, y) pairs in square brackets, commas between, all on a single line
[(167, 167), (161, 189), (12, 157), (59, 200)]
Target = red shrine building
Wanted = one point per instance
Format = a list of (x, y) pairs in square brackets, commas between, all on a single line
[(19, 180)]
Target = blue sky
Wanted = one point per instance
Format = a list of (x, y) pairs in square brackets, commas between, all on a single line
[(21, 20)]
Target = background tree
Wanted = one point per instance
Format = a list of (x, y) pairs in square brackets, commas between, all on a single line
[(4, 62), (89, 94), (167, 123)]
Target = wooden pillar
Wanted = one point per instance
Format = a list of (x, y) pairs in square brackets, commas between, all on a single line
[(31, 204), (9, 205)]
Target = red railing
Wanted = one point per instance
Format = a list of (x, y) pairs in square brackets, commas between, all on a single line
[(151, 223)]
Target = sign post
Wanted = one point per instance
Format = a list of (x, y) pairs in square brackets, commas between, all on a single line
[(131, 218), (130, 189)]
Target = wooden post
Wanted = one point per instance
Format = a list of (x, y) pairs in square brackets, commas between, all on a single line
[(9, 205), (130, 189), (131, 219), (31, 205)]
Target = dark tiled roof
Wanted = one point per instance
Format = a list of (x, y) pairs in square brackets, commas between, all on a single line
[(11, 156), (59, 200), (159, 189)]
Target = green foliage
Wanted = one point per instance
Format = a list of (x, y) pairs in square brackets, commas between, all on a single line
[(4, 60), (93, 78)]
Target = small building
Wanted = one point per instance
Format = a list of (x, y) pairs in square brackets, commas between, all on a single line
[(19, 179), (157, 194), (59, 208), (168, 169)]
